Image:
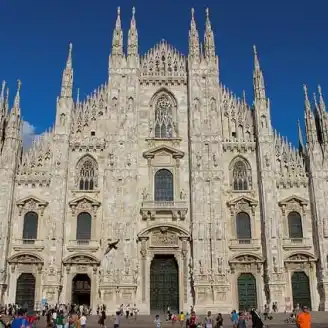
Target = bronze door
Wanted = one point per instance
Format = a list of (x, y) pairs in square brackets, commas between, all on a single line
[(301, 289), (164, 284), (247, 292), (25, 291), (81, 290)]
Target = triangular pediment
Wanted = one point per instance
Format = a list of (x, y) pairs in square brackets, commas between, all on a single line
[(163, 60), (163, 150), (292, 199), (84, 199), (243, 199), (31, 200)]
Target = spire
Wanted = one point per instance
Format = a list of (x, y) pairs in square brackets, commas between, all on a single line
[(133, 36), (258, 79), (322, 104), (309, 119), (193, 38), (209, 38), (15, 114), (67, 80), (2, 98), (117, 42), (323, 117), (300, 137)]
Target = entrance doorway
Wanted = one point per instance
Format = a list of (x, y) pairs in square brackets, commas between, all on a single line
[(301, 289), (81, 290), (247, 293), (25, 291), (164, 284)]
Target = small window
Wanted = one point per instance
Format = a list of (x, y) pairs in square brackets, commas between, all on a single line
[(233, 134), (93, 133)]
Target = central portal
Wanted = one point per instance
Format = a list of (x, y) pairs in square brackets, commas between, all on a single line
[(164, 284), (81, 290)]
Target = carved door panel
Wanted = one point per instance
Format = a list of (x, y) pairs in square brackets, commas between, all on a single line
[(247, 292), (25, 291), (164, 284), (301, 289)]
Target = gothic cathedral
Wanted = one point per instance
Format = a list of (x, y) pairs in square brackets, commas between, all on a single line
[(162, 188)]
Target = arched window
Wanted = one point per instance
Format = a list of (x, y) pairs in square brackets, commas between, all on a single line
[(164, 185), (30, 227), (87, 173), (295, 228), (164, 117), (241, 175), (243, 227), (83, 227)]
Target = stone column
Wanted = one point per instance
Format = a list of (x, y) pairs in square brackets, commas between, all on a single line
[(68, 284), (94, 288), (143, 252), (184, 252)]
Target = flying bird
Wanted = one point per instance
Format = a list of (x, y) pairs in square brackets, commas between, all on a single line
[(111, 246)]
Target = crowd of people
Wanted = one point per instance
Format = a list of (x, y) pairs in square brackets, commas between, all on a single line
[(76, 316)]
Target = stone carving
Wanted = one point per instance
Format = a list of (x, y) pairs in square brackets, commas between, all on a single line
[(299, 258), (31, 204), (145, 194), (164, 238), (81, 260), (183, 195), (25, 259), (84, 203), (198, 159)]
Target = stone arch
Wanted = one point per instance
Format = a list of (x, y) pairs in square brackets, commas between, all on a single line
[(87, 173), (246, 262), (26, 258), (81, 259), (300, 256), (180, 230), (160, 92), (240, 174), (246, 257)]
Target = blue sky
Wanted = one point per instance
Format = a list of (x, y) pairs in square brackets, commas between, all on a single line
[(291, 38)]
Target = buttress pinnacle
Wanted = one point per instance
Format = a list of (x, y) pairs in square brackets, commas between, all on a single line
[(17, 98), (117, 42), (133, 36), (67, 80), (193, 38), (209, 38)]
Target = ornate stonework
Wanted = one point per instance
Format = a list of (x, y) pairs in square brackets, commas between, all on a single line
[(166, 160)]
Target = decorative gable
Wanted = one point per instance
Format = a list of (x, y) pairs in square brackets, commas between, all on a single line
[(242, 204), (84, 203), (163, 150), (31, 203), (293, 203)]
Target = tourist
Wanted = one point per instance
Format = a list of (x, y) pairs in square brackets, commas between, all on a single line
[(181, 318), (83, 320), (219, 321), (209, 320), (256, 320), (157, 321), (19, 321), (127, 311), (117, 319), (242, 320), (234, 318), (60, 320), (135, 311), (304, 318), (102, 319), (193, 320)]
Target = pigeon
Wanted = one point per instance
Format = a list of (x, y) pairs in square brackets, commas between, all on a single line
[(111, 246)]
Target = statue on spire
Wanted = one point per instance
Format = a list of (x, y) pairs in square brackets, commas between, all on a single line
[(67, 80), (117, 42), (209, 38), (133, 36), (193, 39), (258, 79)]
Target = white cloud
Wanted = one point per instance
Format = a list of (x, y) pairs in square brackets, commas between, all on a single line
[(28, 134)]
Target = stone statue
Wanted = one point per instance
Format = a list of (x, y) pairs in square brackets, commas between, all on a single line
[(183, 195)]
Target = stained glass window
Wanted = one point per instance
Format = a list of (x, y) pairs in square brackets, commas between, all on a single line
[(164, 117), (295, 228), (83, 226), (240, 176), (164, 185), (243, 225), (87, 174), (30, 226)]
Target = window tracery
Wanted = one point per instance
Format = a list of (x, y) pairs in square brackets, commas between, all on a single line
[(87, 172), (164, 117), (241, 179)]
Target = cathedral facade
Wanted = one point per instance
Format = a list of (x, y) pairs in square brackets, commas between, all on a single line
[(162, 188)]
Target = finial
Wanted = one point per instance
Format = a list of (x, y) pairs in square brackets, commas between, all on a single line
[(78, 96), (3, 86), (118, 11), (133, 11), (192, 13), (17, 97), (254, 50), (19, 84), (207, 13)]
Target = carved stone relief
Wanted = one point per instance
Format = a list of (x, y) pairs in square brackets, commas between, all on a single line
[(164, 238)]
